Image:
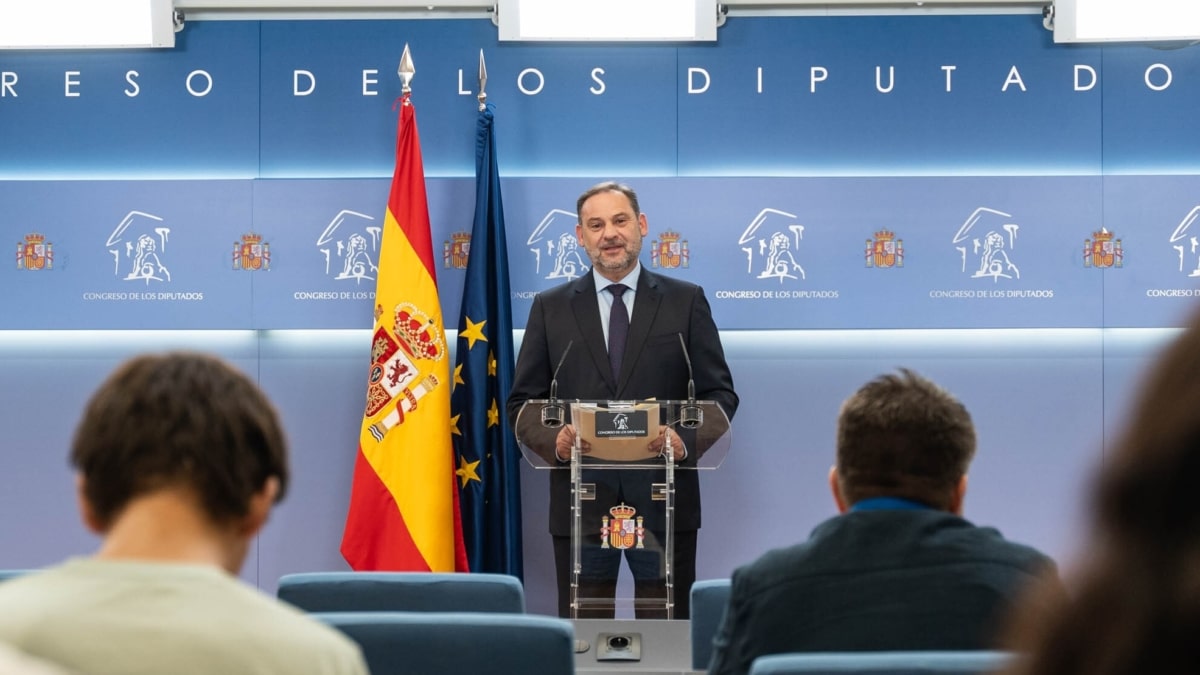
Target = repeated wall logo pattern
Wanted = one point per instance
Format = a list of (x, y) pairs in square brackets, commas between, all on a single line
[(809, 172)]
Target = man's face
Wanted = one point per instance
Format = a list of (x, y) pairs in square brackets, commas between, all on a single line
[(611, 234)]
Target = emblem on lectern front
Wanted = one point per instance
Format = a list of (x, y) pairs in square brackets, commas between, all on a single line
[(622, 530)]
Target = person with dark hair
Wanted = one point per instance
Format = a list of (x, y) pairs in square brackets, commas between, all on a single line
[(899, 569), (179, 459), (1134, 605), (653, 314)]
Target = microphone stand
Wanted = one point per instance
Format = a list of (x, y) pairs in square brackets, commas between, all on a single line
[(553, 413), (691, 416)]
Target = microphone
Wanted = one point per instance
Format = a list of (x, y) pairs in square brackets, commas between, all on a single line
[(552, 413), (691, 416)]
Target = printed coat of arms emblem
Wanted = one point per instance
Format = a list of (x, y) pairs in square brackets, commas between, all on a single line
[(251, 253), (35, 253), (621, 530), (669, 251), (395, 379), (1102, 250), (456, 250), (885, 250)]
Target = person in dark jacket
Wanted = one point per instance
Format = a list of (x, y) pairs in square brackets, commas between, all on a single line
[(899, 569), (621, 332)]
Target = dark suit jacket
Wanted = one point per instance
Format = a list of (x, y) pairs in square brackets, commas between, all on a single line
[(654, 366), (884, 580)]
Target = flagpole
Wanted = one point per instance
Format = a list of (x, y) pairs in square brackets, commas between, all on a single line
[(482, 83)]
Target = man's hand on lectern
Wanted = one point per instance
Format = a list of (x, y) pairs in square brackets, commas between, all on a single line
[(678, 450), (565, 441)]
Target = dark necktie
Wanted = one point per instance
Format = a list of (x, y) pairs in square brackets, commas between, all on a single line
[(618, 329)]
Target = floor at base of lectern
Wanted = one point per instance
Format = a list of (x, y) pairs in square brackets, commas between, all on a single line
[(633, 647)]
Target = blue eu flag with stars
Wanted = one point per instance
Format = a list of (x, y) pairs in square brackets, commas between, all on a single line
[(488, 459)]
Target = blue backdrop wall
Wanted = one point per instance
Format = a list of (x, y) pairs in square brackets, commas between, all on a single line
[(951, 193)]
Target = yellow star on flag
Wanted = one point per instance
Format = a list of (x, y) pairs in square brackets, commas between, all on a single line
[(457, 377), (473, 332), (493, 414), (454, 426), (491, 363), (466, 471)]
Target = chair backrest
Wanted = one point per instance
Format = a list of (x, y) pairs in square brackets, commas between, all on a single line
[(709, 598), (402, 592), (459, 643), (884, 663)]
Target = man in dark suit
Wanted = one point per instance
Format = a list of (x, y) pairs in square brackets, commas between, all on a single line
[(900, 569), (652, 314)]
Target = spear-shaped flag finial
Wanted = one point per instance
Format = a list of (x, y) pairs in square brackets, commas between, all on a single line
[(406, 71)]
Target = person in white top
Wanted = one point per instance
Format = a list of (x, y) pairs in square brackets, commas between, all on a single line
[(179, 459)]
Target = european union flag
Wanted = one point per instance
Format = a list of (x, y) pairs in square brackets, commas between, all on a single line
[(489, 461)]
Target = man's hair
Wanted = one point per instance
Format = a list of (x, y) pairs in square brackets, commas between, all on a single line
[(901, 435), (178, 420), (607, 186)]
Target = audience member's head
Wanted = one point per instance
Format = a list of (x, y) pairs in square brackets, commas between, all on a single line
[(901, 435), (1136, 601), (180, 458), (187, 426)]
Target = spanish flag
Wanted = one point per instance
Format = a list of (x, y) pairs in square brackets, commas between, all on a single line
[(404, 512)]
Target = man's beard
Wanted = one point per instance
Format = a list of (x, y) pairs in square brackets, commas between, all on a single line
[(628, 256)]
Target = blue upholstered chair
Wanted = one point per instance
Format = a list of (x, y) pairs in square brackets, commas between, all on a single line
[(709, 599), (402, 592), (883, 663), (459, 643)]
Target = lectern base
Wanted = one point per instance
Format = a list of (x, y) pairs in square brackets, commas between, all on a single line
[(665, 647)]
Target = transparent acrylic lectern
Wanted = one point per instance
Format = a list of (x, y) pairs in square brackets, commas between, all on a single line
[(622, 503)]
